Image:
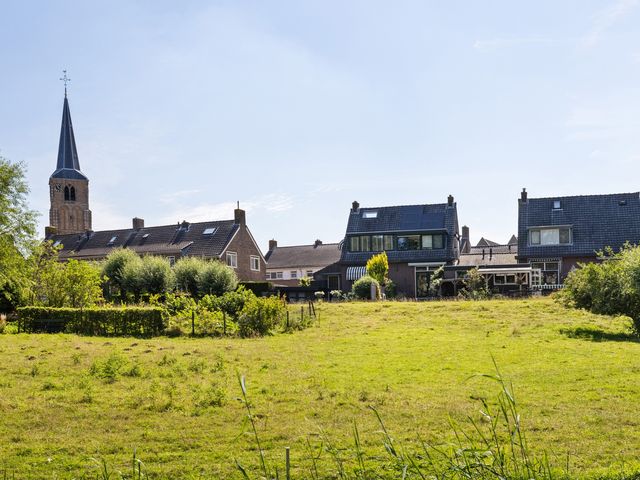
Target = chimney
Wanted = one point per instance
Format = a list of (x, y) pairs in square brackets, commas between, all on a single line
[(317, 243), (48, 231), (272, 244), (523, 195), (483, 253), (185, 226), (490, 253), (239, 216), (355, 206), (466, 239), (450, 200), (138, 223)]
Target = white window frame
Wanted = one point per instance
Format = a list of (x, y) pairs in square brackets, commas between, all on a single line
[(232, 259), (172, 260), (279, 275), (293, 274), (309, 273), (252, 259), (551, 232)]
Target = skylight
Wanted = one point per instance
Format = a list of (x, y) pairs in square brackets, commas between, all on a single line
[(146, 235), (370, 214), (113, 240), (209, 231), (56, 243), (556, 204)]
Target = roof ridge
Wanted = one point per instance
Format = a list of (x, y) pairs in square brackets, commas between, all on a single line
[(585, 196)]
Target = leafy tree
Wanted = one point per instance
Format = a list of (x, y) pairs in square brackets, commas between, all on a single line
[(378, 267), (17, 231), (187, 271), (114, 266), (475, 286), (131, 278), (305, 281), (217, 278), (156, 276), (82, 284)]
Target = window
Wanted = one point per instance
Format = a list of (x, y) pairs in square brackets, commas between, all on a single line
[(66, 193), (365, 244), (388, 242), (354, 244), (113, 240), (172, 260), (550, 271), (409, 242), (72, 194), (278, 275), (232, 259), (556, 205), (293, 274), (370, 214), (209, 231), (377, 243), (145, 236), (310, 274), (255, 263), (550, 236)]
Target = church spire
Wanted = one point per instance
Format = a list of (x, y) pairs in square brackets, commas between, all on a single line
[(68, 164)]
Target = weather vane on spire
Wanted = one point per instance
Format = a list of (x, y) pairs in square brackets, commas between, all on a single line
[(66, 80)]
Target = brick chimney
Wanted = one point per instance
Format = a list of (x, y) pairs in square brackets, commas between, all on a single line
[(273, 244), (450, 201), (355, 206), (466, 239), (239, 216), (523, 195), (138, 223), (317, 243)]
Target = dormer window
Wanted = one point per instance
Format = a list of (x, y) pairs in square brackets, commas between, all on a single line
[(113, 240), (557, 205), (209, 231), (370, 214), (56, 243), (145, 236)]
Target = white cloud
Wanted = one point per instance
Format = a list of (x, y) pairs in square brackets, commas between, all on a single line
[(605, 19)]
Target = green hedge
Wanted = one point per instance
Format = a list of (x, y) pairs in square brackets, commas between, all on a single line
[(135, 321), (258, 288)]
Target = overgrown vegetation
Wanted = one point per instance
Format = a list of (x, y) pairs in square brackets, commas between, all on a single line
[(610, 287)]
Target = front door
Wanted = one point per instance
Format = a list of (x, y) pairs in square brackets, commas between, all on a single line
[(333, 282), (422, 284)]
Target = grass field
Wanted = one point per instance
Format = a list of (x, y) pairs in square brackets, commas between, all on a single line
[(65, 400)]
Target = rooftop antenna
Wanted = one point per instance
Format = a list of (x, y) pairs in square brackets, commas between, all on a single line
[(66, 80)]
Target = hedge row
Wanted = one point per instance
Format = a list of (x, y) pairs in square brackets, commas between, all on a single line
[(134, 321)]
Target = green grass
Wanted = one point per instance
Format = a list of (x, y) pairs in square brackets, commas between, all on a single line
[(66, 401)]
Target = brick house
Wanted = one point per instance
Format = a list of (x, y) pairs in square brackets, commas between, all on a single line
[(557, 233), (418, 239)]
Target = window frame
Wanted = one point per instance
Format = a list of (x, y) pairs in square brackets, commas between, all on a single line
[(232, 259), (538, 235), (255, 258)]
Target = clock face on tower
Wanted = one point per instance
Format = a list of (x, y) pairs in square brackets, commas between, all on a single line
[(58, 187)]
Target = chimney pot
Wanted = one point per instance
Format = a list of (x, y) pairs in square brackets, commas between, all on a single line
[(317, 243), (273, 244), (239, 216), (137, 223), (523, 195), (450, 200), (355, 206)]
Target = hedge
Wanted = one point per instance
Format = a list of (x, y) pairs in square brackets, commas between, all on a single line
[(134, 321), (258, 288)]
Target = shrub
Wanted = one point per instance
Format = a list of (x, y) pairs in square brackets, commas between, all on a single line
[(319, 295), (114, 264), (131, 278), (378, 267), (156, 275), (390, 289), (475, 286), (335, 295), (260, 315), (305, 281), (230, 303), (137, 321), (187, 271), (178, 303), (258, 288), (362, 287), (216, 278)]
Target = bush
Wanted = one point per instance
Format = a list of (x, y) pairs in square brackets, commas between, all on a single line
[(178, 303), (260, 315), (230, 303), (475, 286), (156, 275), (390, 289), (258, 288), (187, 271), (114, 264), (319, 295), (362, 287), (378, 267), (216, 278), (136, 321)]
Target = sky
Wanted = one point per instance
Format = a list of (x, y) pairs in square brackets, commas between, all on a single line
[(296, 109)]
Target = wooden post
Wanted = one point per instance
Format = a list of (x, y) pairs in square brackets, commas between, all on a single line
[(224, 323), (302, 314), (309, 307), (193, 323), (287, 463), (287, 319)]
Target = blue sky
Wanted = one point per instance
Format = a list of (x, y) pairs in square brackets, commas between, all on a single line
[(298, 108)]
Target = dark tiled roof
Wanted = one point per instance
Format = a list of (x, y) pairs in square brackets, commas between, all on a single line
[(489, 255), (513, 240), (68, 164), (304, 256), (406, 218), (597, 221), (484, 242), (165, 240)]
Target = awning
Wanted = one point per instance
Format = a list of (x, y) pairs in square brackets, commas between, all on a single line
[(505, 270), (355, 273)]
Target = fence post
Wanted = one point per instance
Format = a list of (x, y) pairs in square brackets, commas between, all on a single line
[(309, 307), (287, 319), (193, 323), (302, 314), (287, 463), (224, 323)]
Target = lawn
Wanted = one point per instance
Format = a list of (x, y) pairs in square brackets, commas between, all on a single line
[(66, 400)]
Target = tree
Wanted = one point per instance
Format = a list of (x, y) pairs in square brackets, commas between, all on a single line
[(156, 275), (217, 278), (305, 282), (378, 267), (187, 271), (475, 286), (114, 266), (17, 231), (82, 284)]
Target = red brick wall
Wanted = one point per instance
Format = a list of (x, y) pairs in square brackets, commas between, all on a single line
[(244, 246)]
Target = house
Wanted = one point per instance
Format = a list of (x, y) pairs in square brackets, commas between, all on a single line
[(555, 234), (417, 238), (287, 265), (227, 240), (70, 224)]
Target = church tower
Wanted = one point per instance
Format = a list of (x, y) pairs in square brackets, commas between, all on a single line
[(68, 186)]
